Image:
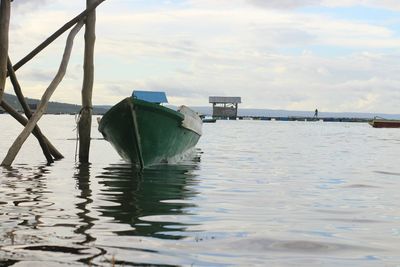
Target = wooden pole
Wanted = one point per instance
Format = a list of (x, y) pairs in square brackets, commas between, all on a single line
[(55, 35), (4, 29), (85, 120), (27, 110), (36, 131), (16, 146)]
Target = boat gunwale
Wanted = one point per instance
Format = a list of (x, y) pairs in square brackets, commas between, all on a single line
[(143, 104), (153, 106)]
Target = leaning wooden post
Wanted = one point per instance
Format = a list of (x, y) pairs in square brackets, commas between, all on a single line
[(27, 110), (16, 146), (85, 120), (36, 131), (4, 28)]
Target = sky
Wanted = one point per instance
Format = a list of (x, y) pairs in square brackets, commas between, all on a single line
[(334, 55)]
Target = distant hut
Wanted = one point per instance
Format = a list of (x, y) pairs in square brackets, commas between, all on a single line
[(225, 107)]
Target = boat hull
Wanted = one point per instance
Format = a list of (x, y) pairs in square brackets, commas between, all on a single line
[(145, 134), (381, 123), (209, 120)]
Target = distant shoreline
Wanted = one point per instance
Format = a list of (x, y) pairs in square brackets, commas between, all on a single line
[(255, 118), (258, 114)]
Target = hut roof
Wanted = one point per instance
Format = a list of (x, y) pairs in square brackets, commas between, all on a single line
[(150, 96), (225, 99)]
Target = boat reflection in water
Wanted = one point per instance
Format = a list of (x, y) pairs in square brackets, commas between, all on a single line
[(149, 201)]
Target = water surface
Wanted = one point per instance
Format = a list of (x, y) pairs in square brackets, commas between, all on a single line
[(254, 193)]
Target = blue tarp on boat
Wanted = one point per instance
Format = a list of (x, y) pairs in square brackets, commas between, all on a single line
[(150, 96)]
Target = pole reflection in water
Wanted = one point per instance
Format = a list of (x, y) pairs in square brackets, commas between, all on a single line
[(82, 177), (83, 183), (149, 201), (26, 199)]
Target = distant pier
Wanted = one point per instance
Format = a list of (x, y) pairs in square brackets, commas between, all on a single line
[(301, 118)]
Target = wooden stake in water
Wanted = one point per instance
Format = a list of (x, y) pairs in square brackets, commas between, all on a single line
[(85, 120), (4, 29)]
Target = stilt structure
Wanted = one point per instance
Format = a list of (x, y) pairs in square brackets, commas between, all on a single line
[(7, 69), (85, 119), (225, 107), (4, 29)]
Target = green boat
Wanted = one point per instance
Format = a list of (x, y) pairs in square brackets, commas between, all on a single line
[(146, 133)]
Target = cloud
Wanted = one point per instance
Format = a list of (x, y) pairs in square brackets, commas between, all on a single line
[(384, 4), (294, 4), (284, 4), (39, 75), (25, 6)]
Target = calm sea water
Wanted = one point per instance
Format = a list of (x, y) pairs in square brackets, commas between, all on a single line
[(254, 193)]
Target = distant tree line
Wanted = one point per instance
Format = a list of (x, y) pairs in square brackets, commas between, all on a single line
[(53, 107)]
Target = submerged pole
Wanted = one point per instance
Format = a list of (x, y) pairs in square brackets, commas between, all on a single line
[(85, 120), (4, 32)]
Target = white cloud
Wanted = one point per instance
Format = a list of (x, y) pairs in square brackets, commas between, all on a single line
[(24, 6), (294, 4), (386, 4), (284, 4)]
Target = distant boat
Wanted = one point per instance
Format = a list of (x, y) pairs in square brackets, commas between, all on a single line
[(247, 118), (378, 122), (146, 133), (209, 119)]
